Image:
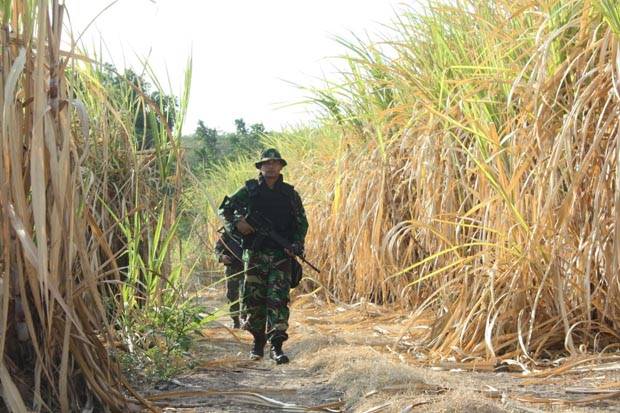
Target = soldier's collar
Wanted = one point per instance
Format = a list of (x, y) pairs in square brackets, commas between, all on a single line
[(261, 180)]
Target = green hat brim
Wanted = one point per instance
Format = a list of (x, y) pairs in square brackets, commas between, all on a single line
[(258, 164)]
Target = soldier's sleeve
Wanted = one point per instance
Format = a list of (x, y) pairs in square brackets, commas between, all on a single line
[(302, 222), (232, 208)]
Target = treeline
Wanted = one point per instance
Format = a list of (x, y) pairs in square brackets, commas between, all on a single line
[(155, 114), (208, 146)]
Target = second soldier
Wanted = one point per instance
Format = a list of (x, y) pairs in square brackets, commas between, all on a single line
[(229, 252)]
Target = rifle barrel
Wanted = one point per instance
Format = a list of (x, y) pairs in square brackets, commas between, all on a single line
[(310, 264)]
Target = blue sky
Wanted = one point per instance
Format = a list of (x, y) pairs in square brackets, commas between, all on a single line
[(244, 51)]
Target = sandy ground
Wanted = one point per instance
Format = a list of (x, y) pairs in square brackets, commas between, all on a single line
[(345, 358)]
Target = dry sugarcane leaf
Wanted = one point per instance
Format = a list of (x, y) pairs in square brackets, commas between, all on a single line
[(10, 393)]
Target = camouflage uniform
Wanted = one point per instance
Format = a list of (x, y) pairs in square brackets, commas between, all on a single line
[(265, 290), (229, 244)]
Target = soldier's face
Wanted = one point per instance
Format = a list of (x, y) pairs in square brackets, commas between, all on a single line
[(271, 168)]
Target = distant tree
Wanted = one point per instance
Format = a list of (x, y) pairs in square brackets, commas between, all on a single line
[(245, 140), (253, 138), (210, 146), (241, 129), (207, 138), (257, 129), (234, 142)]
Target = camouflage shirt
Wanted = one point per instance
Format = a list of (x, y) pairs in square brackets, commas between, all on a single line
[(233, 207)]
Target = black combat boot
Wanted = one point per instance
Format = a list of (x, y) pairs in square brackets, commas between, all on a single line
[(276, 353), (236, 323), (258, 350)]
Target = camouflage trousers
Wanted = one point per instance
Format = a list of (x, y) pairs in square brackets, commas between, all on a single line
[(265, 293), (234, 278)]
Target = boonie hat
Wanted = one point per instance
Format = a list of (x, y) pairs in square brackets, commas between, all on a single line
[(268, 155)]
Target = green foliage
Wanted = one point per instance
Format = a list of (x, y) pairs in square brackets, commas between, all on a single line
[(160, 339), (207, 147), (154, 112), (611, 13), (150, 307), (159, 320), (207, 138), (248, 140)]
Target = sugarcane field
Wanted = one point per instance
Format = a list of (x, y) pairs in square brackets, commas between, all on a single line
[(312, 206)]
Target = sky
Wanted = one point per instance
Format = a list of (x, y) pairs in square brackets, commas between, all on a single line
[(246, 53)]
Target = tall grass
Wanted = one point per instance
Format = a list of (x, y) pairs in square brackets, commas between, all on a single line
[(138, 197), (52, 313), (474, 176), (493, 206), (87, 216)]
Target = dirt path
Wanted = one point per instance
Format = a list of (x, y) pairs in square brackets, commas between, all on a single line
[(226, 381), (344, 358)]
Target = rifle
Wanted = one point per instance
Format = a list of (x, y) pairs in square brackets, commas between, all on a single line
[(264, 228)]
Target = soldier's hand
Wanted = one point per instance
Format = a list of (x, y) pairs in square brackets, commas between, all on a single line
[(226, 260), (243, 227), (296, 249)]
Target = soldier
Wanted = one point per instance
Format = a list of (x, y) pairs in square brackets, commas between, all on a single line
[(265, 290), (229, 252)]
